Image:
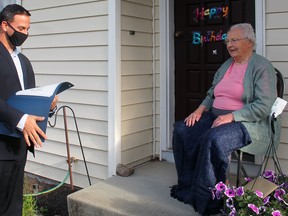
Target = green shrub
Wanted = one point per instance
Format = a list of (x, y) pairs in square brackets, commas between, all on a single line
[(29, 206), (29, 202)]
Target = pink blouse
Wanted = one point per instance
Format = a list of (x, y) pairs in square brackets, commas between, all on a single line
[(228, 92)]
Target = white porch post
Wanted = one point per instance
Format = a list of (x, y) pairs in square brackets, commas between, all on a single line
[(114, 85), (260, 26), (166, 74)]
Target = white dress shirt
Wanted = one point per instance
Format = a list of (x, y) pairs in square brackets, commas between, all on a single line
[(14, 55)]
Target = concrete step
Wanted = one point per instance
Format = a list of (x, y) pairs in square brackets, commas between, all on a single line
[(144, 193)]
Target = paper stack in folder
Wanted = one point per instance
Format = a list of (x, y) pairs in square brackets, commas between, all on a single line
[(261, 184), (34, 101)]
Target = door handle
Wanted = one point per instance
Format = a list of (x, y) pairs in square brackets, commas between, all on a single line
[(179, 34)]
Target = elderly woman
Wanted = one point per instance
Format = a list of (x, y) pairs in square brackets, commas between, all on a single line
[(235, 114)]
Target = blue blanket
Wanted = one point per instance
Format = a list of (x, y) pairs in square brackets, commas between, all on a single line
[(201, 159)]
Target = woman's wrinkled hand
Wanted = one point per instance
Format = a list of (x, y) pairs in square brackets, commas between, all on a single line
[(195, 116), (223, 119)]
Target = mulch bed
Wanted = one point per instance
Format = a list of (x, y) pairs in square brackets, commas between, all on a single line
[(53, 203)]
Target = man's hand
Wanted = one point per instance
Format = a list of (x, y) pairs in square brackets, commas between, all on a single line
[(54, 102), (32, 132)]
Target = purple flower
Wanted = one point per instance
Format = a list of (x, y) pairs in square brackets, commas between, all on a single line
[(248, 179), (262, 209), (272, 179), (236, 198), (240, 191), (259, 193), (284, 185), (229, 192), (278, 193), (218, 194), (220, 186), (254, 208), (266, 200), (268, 173), (229, 203), (233, 212), (276, 213)]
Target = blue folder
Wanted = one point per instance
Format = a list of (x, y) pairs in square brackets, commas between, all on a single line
[(33, 105)]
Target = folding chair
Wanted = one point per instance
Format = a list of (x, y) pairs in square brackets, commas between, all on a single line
[(239, 153)]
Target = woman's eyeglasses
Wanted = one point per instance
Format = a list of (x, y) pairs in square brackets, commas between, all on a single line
[(234, 40)]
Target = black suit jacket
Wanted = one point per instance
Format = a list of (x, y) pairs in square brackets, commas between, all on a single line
[(10, 147)]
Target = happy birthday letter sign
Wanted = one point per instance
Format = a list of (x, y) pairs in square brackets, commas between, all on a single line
[(210, 36), (211, 13)]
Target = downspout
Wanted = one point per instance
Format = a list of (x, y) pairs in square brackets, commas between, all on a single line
[(154, 80)]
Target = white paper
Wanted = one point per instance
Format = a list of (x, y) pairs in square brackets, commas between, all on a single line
[(44, 91), (278, 107)]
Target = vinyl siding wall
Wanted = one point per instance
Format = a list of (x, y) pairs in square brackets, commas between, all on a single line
[(138, 78), (276, 51), (69, 42)]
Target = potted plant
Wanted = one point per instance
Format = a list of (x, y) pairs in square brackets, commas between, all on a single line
[(245, 202)]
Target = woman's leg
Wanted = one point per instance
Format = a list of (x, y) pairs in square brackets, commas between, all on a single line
[(185, 144)]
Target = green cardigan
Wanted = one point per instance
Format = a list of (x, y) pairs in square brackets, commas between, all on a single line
[(260, 92)]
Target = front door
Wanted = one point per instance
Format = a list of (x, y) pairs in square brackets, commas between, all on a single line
[(200, 28)]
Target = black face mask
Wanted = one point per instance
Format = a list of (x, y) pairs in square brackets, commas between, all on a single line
[(17, 38)]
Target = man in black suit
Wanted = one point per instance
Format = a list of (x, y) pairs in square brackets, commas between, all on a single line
[(16, 73)]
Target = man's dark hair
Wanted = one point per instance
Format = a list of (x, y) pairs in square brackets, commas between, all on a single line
[(8, 13)]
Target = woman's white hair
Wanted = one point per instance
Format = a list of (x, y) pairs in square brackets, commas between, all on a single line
[(247, 31)]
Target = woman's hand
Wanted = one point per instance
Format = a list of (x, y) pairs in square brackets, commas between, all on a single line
[(195, 116), (223, 119)]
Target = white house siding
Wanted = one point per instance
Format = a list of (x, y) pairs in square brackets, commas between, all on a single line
[(69, 42), (138, 76), (277, 51)]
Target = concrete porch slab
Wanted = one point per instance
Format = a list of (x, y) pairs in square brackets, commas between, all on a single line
[(146, 192)]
